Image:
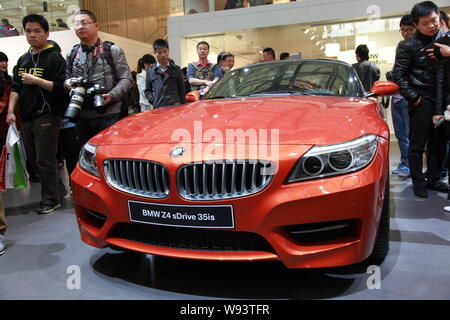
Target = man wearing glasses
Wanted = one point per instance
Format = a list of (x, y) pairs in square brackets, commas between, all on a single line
[(99, 62), (400, 117)]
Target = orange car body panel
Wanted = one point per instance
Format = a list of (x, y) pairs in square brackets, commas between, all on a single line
[(302, 123)]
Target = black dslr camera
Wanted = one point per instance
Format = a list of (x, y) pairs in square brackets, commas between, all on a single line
[(78, 95)]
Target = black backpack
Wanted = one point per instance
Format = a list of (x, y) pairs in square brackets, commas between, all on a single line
[(107, 55)]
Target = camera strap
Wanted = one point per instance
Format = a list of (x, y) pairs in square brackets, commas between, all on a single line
[(103, 50), (92, 55)]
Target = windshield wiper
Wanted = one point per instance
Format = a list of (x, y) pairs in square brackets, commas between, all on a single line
[(293, 92), (222, 97), (217, 97)]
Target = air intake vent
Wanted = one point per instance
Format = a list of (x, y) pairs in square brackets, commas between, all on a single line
[(333, 231), (191, 239), (224, 180), (138, 177)]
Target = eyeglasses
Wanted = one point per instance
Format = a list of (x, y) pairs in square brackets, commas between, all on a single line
[(83, 24)]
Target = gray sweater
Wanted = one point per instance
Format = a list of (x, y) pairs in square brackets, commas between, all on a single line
[(102, 74)]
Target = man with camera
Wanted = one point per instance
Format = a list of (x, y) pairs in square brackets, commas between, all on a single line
[(100, 77), (38, 84)]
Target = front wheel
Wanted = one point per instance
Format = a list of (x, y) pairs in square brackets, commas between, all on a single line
[(381, 246)]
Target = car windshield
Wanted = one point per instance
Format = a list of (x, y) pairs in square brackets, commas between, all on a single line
[(302, 77)]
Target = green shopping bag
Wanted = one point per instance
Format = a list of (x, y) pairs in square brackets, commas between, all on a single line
[(16, 176), (20, 176)]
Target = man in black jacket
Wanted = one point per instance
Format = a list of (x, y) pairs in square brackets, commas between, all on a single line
[(442, 109), (38, 86), (416, 77), (165, 84), (368, 72)]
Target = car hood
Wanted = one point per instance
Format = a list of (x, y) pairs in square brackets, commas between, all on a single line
[(289, 120)]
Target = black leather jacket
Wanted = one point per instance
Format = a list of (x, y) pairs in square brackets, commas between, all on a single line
[(413, 71), (442, 87), (165, 89)]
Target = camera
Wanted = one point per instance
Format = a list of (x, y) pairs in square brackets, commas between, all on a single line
[(83, 88)]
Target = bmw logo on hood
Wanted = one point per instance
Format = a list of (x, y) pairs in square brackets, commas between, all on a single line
[(177, 152)]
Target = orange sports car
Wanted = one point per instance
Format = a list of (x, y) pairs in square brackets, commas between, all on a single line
[(284, 161)]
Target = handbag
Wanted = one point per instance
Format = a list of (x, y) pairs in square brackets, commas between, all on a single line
[(13, 174)]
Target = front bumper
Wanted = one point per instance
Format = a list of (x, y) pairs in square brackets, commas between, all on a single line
[(273, 214)]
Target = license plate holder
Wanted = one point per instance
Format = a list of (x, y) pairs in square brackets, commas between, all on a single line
[(195, 216)]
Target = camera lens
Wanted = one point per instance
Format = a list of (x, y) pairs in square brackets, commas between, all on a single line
[(76, 102), (99, 103)]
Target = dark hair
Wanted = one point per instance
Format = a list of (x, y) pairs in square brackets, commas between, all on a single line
[(223, 56), (160, 44), (140, 66), (407, 20), (202, 42), (423, 9), (36, 18), (4, 20), (271, 51), (148, 59), (184, 70), (3, 57), (219, 57), (89, 13), (444, 16), (363, 52), (284, 55), (4, 76), (133, 75)]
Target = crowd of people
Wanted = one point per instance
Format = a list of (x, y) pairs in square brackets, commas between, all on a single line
[(7, 30), (39, 95), (423, 97)]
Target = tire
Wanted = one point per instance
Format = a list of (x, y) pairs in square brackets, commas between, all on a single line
[(381, 246)]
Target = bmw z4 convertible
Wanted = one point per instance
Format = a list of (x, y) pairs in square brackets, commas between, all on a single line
[(285, 161)]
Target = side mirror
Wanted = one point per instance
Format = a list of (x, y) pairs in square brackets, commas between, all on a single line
[(383, 88), (192, 96)]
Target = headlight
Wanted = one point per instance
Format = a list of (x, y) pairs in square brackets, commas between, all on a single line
[(87, 159), (336, 159)]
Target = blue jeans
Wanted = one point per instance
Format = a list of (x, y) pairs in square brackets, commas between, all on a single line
[(400, 118)]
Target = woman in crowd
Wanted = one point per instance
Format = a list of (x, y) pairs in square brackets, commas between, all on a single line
[(5, 89)]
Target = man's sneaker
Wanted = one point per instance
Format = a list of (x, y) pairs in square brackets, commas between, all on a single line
[(420, 190), (2, 244), (404, 172), (439, 186), (396, 170), (44, 209)]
